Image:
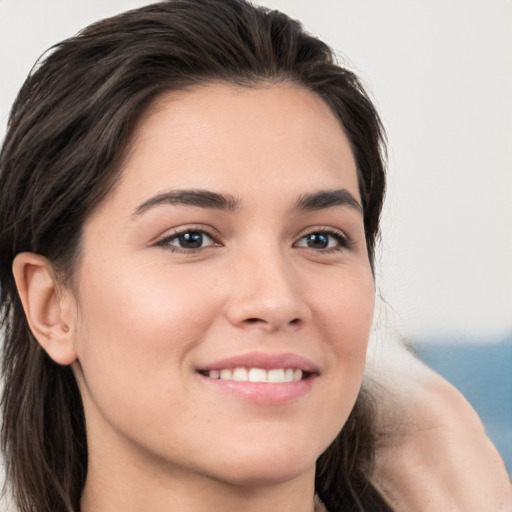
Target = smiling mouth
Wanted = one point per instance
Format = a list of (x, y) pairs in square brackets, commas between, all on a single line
[(273, 376), (265, 379)]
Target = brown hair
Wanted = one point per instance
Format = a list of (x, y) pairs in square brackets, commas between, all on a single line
[(68, 130)]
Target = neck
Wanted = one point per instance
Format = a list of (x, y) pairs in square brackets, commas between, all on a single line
[(196, 495), (113, 484)]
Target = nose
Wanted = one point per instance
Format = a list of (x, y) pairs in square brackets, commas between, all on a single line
[(267, 294)]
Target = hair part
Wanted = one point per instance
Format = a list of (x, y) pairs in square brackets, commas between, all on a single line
[(68, 132)]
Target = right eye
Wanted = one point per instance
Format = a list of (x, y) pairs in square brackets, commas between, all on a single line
[(187, 240)]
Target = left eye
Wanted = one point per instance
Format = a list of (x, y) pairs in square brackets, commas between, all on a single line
[(189, 240), (322, 240)]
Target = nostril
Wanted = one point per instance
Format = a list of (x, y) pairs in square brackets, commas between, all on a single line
[(295, 321)]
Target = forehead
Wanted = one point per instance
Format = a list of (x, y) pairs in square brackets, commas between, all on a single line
[(219, 136)]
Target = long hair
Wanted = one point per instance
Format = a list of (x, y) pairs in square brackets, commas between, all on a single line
[(68, 131)]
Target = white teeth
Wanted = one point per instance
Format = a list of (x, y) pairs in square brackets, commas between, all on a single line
[(240, 374), (215, 374), (275, 375), (225, 375), (257, 375)]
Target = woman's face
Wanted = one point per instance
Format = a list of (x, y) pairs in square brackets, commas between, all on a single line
[(232, 248)]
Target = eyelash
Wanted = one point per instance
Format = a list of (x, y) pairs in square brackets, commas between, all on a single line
[(166, 241), (342, 241)]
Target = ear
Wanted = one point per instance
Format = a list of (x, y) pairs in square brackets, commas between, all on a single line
[(47, 306)]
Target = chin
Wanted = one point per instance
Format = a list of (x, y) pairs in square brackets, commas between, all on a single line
[(271, 474), (269, 466)]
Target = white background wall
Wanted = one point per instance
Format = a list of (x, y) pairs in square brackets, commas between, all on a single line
[(441, 74)]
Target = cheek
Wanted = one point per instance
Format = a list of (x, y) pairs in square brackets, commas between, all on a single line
[(346, 312), (146, 307), (345, 317), (137, 330)]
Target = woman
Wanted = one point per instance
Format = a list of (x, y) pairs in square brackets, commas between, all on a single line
[(183, 188)]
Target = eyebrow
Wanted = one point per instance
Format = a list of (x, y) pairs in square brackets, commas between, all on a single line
[(198, 198), (327, 199)]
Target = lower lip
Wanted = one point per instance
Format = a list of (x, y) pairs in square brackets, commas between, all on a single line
[(263, 392)]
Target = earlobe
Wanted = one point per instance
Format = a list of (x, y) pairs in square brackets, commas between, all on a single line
[(46, 308)]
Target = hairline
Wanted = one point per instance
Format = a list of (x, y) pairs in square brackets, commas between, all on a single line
[(157, 100)]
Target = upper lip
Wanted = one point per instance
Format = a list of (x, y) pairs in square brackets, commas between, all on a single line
[(266, 361)]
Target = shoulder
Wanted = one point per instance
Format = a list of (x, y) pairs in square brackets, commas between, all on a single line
[(433, 453)]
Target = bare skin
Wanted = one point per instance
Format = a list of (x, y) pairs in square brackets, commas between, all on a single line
[(434, 454)]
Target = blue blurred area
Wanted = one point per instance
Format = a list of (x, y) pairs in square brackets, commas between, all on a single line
[(483, 373)]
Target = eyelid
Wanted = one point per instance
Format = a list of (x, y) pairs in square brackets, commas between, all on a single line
[(162, 241), (345, 242)]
